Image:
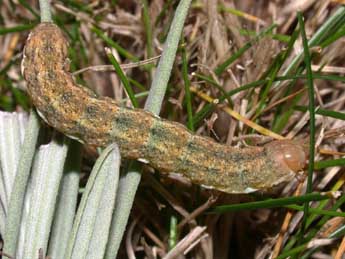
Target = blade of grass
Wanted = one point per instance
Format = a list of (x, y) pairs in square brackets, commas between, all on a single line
[(265, 90), (210, 80), (280, 37), (17, 28), (324, 112), (322, 33), (239, 117), (323, 220), (188, 96), (239, 13), (337, 186), (77, 52), (123, 78), (312, 233), (27, 6), (137, 84), (123, 52), (307, 60), (139, 95), (273, 203), (198, 117), (148, 28), (329, 163), (80, 6), (273, 72), (293, 251), (317, 211), (222, 67), (173, 235), (333, 37), (284, 112), (339, 233), (164, 11)]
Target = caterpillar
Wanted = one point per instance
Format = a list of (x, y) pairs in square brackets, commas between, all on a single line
[(166, 146)]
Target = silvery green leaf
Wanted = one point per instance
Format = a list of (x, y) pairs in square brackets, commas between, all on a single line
[(67, 203), (41, 198), (92, 224)]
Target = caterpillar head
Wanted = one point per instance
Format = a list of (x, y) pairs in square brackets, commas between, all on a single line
[(290, 154)]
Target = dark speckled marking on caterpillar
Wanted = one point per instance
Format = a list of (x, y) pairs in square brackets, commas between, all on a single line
[(166, 146)]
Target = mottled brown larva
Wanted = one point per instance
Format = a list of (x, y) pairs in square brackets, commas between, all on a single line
[(166, 146)]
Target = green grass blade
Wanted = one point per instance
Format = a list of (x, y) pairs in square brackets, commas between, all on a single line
[(188, 96), (17, 28), (210, 80), (307, 60), (173, 233), (199, 116), (280, 37), (334, 37), (329, 163), (311, 234), (282, 119), (148, 28), (322, 33), (27, 6), (123, 52), (272, 76), (222, 67), (317, 211), (123, 78), (324, 112), (272, 203)]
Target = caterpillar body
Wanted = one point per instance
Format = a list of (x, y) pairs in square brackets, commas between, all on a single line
[(167, 146)]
